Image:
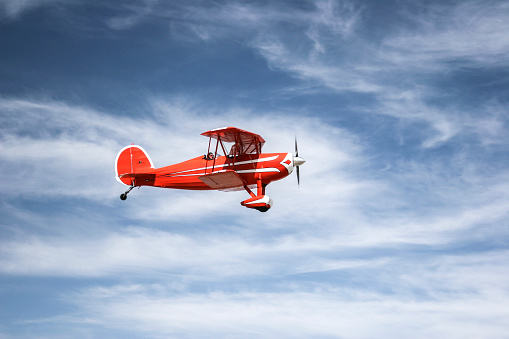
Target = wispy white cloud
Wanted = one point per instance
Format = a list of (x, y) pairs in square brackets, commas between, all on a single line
[(325, 45), (74, 147), (13, 8), (346, 219), (132, 14), (465, 34), (259, 19), (407, 242), (430, 297), (299, 236)]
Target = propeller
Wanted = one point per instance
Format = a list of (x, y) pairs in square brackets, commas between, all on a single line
[(297, 161)]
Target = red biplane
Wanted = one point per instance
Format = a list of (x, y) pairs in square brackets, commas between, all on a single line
[(244, 166)]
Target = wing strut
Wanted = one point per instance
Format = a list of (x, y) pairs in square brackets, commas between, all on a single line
[(212, 156)]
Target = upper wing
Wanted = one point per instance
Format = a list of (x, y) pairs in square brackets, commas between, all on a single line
[(244, 142)]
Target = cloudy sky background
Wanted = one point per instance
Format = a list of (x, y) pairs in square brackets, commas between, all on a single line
[(399, 227)]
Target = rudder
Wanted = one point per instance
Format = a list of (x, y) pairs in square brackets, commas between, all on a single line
[(131, 160)]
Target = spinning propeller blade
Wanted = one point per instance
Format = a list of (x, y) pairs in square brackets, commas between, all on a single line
[(297, 161)]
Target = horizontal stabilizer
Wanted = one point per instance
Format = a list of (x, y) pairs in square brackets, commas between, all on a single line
[(139, 179), (223, 180)]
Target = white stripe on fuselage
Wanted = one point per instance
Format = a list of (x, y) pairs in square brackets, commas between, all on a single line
[(259, 170), (228, 165)]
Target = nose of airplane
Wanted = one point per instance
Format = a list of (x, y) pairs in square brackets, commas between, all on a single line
[(297, 161)]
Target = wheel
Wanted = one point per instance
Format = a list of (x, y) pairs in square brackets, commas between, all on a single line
[(123, 196)]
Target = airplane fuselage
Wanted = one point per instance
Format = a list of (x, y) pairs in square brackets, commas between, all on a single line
[(185, 175)]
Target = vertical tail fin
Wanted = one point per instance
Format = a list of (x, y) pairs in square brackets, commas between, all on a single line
[(132, 160)]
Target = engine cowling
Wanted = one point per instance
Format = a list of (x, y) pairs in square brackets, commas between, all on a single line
[(261, 203)]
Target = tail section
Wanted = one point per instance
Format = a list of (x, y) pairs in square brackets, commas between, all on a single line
[(132, 162)]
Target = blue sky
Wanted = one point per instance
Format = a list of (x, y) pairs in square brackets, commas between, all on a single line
[(400, 225)]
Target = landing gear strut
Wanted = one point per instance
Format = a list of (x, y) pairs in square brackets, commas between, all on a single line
[(260, 201), (123, 196)]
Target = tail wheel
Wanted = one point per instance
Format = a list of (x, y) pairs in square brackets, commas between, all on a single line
[(123, 196)]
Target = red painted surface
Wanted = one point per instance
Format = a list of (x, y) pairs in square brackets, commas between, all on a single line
[(185, 175), (242, 166)]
